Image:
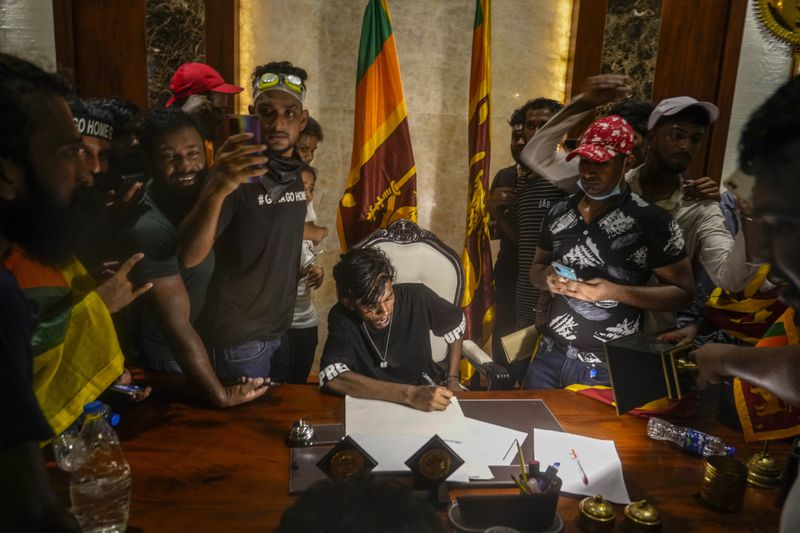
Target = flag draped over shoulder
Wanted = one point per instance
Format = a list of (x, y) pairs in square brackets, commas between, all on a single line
[(76, 355), (478, 299), (763, 415), (382, 184)]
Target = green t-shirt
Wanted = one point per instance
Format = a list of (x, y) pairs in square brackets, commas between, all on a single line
[(155, 234)]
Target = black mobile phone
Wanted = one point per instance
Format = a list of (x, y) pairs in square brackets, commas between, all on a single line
[(130, 392)]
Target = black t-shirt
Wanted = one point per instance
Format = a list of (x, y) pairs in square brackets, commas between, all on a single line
[(252, 292), (21, 417), (417, 311), (623, 245), (155, 235), (535, 195), (506, 265)]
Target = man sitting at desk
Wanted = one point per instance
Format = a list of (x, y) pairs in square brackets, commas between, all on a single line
[(378, 344)]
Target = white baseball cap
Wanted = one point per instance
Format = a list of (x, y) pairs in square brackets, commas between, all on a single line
[(673, 106)]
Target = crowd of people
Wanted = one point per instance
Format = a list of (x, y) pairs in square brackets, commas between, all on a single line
[(160, 241)]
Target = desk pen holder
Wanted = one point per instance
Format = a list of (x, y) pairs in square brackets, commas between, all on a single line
[(523, 512)]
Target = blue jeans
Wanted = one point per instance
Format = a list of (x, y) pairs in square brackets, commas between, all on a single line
[(556, 367), (250, 359)]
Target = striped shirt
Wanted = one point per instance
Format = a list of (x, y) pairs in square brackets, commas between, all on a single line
[(534, 197)]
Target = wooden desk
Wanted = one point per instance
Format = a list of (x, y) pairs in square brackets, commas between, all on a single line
[(197, 469)]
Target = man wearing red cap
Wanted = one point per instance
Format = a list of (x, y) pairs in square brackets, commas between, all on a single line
[(200, 91), (605, 243)]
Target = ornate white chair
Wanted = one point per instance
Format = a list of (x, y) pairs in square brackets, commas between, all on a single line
[(418, 256)]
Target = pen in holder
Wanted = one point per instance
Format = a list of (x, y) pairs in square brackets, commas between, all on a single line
[(523, 512)]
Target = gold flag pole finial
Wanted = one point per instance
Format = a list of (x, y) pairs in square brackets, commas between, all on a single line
[(782, 20)]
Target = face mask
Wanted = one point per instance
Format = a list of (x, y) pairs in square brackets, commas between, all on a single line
[(616, 191)]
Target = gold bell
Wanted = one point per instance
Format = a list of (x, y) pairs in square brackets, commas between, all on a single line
[(762, 470), (597, 514), (642, 517)]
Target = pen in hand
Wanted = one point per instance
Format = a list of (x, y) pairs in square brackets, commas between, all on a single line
[(428, 379)]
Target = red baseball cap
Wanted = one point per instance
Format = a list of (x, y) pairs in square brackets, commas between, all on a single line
[(198, 78), (605, 138)]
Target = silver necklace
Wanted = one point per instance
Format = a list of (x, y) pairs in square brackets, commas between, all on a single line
[(384, 363)]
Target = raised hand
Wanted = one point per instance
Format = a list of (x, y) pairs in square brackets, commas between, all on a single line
[(117, 291), (605, 88), (236, 162)]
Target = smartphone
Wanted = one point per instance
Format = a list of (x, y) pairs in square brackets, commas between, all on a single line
[(131, 392), (310, 261), (564, 271), (235, 124)]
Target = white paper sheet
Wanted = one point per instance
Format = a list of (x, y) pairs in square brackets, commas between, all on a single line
[(391, 433), (496, 444), (379, 418), (598, 458)]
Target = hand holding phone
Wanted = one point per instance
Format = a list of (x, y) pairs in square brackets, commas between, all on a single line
[(564, 271), (235, 124)]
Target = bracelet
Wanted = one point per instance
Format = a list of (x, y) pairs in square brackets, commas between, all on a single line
[(449, 378)]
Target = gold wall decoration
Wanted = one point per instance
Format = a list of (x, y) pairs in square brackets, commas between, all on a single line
[(781, 18)]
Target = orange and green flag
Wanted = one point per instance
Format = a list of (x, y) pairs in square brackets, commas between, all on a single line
[(382, 184), (76, 355), (478, 299)]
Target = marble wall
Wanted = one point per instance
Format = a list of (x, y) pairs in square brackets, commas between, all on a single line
[(630, 43), (175, 35), (434, 39), (764, 65), (26, 30)]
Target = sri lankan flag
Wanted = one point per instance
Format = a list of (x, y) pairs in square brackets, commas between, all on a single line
[(478, 300), (382, 184), (76, 355), (763, 415)]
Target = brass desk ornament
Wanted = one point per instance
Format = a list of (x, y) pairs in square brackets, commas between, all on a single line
[(347, 460), (762, 470), (596, 514), (724, 483), (431, 465), (641, 517)]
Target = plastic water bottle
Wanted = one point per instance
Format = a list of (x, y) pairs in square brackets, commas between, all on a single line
[(100, 488), (68, 447), (690, 440)]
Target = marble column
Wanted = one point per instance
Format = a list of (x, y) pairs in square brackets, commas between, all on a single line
[(175, 35)]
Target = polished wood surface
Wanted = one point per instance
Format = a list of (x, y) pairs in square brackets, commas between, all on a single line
[(198, 469), (101, 47), (222, 41)]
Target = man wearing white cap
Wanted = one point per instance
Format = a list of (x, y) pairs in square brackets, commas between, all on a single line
[(677, 128)]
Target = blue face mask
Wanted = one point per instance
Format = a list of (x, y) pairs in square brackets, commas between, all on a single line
[(616, 191)]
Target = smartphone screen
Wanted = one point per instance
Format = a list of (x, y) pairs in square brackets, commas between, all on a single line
[(564, 271), (235, 124)]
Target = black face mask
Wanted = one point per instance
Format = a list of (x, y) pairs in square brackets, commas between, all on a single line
[(281, 173), (48, 233)]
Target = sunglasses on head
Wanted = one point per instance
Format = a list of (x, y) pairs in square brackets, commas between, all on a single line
[(271, 79)]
